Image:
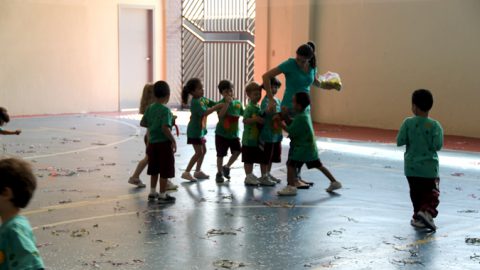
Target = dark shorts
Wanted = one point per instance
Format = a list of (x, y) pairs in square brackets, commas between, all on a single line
[(251, 154), (222, 144), (272, 153), (161, 160), (145, 139), (310, 164), (197, 141)]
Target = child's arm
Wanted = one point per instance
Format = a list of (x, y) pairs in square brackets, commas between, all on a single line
[(438, 137), (223, 111), (214, 108), (166, 130), (8, 132), (277, 118), (254, 119), (143, 122), (402, 136)]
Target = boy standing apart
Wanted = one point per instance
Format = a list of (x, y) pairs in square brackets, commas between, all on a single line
[(226, 132), (17, 242), (158, 119), (423, 137)]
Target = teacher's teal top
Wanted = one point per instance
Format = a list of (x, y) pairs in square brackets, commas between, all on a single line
[(296, 80)]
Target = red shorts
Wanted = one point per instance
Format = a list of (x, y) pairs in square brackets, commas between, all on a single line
[(310, 164), (197, 141), (272, 153), (251, 154), (222, 144), (161, 160)]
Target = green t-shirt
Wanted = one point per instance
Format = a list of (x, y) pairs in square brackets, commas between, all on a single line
[(251, 131), (155, 117), (197, 127), (423, 137), (227, 126), (296, 80), (17, 246), (303, 146), (271, 132)]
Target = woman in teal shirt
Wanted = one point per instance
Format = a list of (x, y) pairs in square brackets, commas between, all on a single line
[(300, 73)]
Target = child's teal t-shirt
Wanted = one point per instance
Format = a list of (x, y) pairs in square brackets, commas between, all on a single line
[(271, 131), (303, 145), (227, 126), (17, 245), (155, 117), (296, 80), (251, 131), (197, 127), (423, 137)]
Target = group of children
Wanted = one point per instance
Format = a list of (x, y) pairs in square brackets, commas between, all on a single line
[(422, 136), (260, 143)]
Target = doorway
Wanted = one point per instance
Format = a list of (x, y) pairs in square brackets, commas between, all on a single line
[(135, 30)]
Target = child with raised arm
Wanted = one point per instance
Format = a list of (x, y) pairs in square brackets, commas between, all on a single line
[(200, 108), (303, 147), (158, 119), (423, 137), (250, 149), (17, 242), (5, 118), (226, 132), (271, 133)]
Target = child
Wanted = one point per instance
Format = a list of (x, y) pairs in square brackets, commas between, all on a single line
[(147, 99), (423, 137), (271, 134), (200, 108), (5, 118), (250, 150), (158, 119), (303, 148), (226, 132), (17, 242)]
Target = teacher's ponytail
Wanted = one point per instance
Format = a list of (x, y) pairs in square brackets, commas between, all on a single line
[(313, 61)]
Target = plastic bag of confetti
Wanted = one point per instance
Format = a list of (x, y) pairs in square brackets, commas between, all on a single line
[(330, 80)]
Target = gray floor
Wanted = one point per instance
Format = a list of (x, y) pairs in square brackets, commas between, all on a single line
[(85, 215)]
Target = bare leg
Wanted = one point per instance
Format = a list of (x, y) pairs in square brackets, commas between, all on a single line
[(203, 152), (163, 185), (219, 164), (248, 168), (233, 158), (195, 157), (140, 167), (264, 169), (153, 181), (291, 176), (327, 173)]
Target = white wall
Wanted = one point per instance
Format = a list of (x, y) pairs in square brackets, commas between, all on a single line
[(386, 49), (62, 56)]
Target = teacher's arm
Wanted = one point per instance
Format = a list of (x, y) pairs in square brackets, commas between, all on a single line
[(266, 81)]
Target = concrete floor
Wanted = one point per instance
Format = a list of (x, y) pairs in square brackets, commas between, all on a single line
[(86, 216)]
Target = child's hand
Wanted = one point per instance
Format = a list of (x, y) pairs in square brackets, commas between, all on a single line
[(18, 131), (174, 146), (258, 119), (284, 113)]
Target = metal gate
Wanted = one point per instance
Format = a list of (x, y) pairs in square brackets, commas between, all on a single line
[(218, 43)]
